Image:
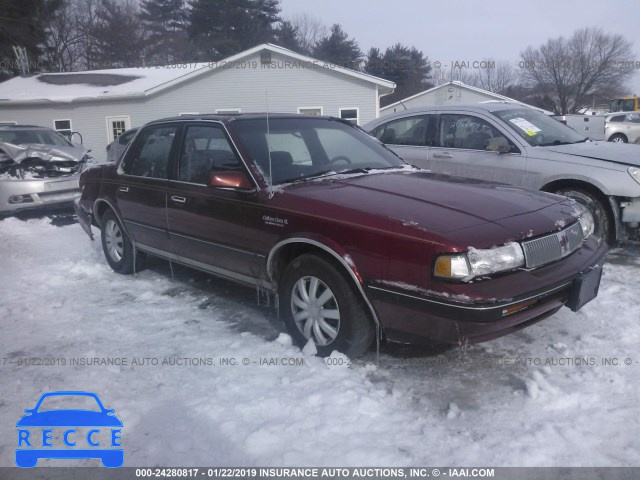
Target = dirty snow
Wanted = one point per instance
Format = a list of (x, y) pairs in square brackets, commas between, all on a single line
[(540, 397)]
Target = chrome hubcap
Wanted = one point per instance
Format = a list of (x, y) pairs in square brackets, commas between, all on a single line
[(617, 140), (113, 240), (315, 310)]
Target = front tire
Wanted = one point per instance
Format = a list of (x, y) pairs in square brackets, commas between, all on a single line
[(117, 247), (618, 138), (319, 304), (603, 223)]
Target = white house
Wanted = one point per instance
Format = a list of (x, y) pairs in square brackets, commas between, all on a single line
[(101, 104), (450, 93)]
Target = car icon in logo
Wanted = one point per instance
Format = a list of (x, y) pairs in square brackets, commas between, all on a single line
[(36, 439)]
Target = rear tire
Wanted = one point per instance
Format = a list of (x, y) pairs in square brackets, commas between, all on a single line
[(618, 138), (603, 223), (117, 247), (318, 303)]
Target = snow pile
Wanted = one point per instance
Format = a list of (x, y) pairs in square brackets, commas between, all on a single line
[(184, 402)]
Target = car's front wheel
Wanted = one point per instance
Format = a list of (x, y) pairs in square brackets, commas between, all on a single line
[(603, 223), (319, 304), (117, 247), (618, 138)]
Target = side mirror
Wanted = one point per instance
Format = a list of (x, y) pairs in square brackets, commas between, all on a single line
[(499, 144), (230, 179)]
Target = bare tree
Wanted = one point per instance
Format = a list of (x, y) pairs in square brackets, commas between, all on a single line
[(64, 44), (574, 72), (444, 75), (494, 76), (309, 31)]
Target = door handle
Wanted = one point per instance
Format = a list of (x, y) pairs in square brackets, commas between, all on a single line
[(124, 189), (443, 155), (182, 200)]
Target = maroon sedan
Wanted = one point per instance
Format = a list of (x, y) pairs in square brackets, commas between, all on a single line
[(353, 241)]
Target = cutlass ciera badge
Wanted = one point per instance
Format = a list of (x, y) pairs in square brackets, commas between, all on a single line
[(275, 221)]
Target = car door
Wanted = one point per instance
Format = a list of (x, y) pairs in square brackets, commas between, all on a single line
[(470, 146), (207, 224), (410, 137), (142, 189)]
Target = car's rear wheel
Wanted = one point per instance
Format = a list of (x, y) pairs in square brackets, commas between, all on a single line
[(117, 247), (603, 223), (319, 304), (618, 138)]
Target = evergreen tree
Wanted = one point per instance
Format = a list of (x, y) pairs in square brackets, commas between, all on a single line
[(407, 67), (287, 36), (224, 27), (117, 36), (339, 49), (165, 22)]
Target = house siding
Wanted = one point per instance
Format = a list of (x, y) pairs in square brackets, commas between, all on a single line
[(289, 84)]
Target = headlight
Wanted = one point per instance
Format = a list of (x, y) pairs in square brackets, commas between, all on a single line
[(587, 223), (452, 266), (635, 173), (478, 262)]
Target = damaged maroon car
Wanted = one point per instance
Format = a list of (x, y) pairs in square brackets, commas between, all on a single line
[(353, 241)]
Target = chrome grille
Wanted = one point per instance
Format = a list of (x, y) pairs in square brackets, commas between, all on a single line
[(552, 247)]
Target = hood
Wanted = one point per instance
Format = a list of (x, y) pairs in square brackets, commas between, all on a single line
[(454, 208), (18, 153), (622, 153), (31, 161)]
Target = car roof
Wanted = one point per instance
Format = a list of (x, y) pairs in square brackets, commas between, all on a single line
[(490, 106), (614, 114), (23, 127), (230, 117)]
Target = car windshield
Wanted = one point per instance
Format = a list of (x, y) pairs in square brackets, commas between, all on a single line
[(304, 148), (23, 137), (69, 402), (537, 128)]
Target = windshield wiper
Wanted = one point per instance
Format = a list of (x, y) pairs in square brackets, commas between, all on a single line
[(327, 173), (555, 143), (323, 173)]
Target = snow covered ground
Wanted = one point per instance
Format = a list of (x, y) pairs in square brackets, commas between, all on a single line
[(540, 397)]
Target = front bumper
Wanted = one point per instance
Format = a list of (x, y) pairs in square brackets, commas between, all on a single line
[(416, 317), (37, 193)]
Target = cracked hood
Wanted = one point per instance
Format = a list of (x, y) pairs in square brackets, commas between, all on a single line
[(31, 161)]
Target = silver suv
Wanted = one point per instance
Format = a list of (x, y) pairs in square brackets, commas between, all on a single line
[(513, 144), (623, 127)]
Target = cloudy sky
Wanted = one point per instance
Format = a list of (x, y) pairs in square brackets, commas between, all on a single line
[(449, 31)]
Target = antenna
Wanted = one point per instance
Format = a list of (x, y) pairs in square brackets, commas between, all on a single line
[(271, 193)]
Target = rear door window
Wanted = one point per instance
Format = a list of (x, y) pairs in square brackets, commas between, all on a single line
[(413, 131), (150, 156)]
